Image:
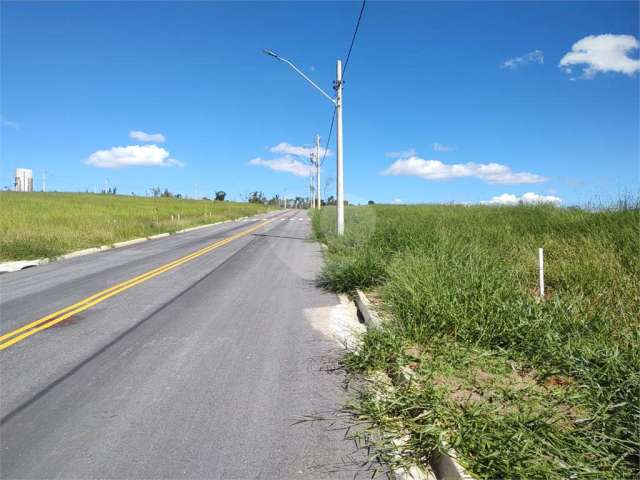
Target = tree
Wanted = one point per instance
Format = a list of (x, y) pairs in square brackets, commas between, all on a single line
[(257, 197), (220, 195), (274, 200), (371, 202)]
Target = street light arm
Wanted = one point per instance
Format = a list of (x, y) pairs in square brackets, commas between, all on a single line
[(276, 56)]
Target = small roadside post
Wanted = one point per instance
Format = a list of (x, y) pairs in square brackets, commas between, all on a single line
[(541, 271)]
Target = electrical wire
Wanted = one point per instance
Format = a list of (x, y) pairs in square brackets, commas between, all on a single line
[(353, 39), (344, 71), (326, 147)]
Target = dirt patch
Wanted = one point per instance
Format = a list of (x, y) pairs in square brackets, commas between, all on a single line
[(374, 298), (413, 352), (509, 393)]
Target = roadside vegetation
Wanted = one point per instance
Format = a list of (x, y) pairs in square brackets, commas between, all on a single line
[(471, 358), (36, 225)]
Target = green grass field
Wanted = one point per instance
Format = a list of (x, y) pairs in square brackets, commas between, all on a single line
[(521, 388), (35, 225)]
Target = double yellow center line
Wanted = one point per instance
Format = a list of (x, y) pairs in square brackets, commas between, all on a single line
[(52, 319)]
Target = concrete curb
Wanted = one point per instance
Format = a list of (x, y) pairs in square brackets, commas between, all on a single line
[(160, 235), (370, 317), (198, 227), (10, 267), (81, 253), (414, 473), (444, 466), (126, 243)]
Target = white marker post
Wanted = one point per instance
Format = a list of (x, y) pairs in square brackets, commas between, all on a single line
[(541, 271)]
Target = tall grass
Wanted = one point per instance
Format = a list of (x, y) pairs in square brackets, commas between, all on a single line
[(460, 285), (34, 225)]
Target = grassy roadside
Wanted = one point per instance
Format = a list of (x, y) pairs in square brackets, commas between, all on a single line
[(521, 388), (36, 225)]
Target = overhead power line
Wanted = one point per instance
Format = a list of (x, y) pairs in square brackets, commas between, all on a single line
[(344, 71), (326, 147), (353, 40)]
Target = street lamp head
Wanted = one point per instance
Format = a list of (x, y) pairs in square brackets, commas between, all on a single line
[(271, 53)]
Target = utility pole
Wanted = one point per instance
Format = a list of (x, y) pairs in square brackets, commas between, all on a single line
[(339, 162), (44, 181), (337, 103), (312, 198), (318, 195)]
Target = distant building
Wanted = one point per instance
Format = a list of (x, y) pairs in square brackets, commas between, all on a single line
[(24, 180)]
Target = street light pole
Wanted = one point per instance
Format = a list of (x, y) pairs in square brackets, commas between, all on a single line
[(337, 103), (339, 162), (312, 197)]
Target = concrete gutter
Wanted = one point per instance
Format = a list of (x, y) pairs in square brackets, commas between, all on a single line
[(370, 317), (446, 467), (8, 267), (442, 466)]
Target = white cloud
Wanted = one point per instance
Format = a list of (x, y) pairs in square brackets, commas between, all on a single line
[(284, 164), (285, 148), (438, 147), (401, 154), (132, 155), (603, 53), (528, 198), (437, 170), (293, 159), (8, 123), (397, 201), (537, 56), (147, 137)]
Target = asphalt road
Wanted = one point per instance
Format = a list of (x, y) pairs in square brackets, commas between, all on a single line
[(199, 371)]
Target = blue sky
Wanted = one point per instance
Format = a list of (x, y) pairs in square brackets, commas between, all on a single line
[(481, 80)]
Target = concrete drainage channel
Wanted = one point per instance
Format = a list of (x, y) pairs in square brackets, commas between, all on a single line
[(441, 467), (8, 267)]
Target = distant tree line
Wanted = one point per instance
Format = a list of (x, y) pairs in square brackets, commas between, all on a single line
[(220, 196)]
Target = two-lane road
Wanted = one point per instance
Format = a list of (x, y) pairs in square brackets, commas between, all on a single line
[(189, 356)]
